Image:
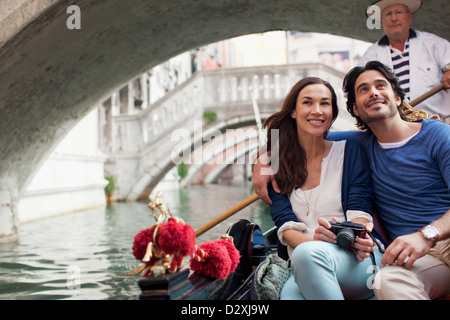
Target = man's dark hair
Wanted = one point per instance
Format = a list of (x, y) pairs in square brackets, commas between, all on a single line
[(349, 88)]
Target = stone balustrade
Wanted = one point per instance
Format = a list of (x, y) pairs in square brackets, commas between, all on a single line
[(139, 142)]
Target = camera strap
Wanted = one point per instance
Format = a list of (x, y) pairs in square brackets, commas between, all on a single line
[(378, 242), (380, 248)]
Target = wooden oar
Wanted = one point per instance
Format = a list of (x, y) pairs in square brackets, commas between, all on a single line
[(226, 214), (426, 95)]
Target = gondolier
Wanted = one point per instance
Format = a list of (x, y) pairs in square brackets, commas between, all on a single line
[(421, 60)]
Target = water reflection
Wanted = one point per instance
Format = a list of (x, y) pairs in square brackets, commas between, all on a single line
[(81, 255)]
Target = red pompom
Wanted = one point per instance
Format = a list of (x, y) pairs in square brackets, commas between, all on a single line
[(141, 241), (218, 262), (232, 251), (175, 236)]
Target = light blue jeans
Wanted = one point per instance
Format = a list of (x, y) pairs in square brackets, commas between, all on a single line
[(325, 271)]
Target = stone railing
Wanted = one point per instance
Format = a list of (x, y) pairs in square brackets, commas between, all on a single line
[(139, 144)]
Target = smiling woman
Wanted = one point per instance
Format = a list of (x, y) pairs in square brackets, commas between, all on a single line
[(316, 186), (313, 110), (303, 121)]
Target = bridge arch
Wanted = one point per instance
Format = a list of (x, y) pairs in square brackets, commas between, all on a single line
[(51, 76), (187, 152)]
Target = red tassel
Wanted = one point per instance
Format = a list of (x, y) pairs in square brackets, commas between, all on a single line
[(232, 251), (217, 261), (176, 237), (141, 241)]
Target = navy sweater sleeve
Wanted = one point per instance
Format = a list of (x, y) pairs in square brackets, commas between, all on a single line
[(356, 179), (281, 212), (281, 208)]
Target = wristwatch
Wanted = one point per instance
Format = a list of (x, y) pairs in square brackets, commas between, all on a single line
[(430, 233), (446, 68)]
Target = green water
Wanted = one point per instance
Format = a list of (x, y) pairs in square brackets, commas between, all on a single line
[(82, 255)]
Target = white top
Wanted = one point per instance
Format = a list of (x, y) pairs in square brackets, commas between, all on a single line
[(391, 145), (324, 200)]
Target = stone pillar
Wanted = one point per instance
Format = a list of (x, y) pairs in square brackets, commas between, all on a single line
[(8, 210)]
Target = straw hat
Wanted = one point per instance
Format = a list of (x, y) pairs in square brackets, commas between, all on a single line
[(413, 5)]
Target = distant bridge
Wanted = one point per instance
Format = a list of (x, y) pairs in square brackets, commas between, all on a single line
[(142, 147)]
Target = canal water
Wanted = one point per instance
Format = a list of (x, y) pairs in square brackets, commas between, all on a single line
[(83, 255)]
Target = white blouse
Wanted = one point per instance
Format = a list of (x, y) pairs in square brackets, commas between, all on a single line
[(324, 200)]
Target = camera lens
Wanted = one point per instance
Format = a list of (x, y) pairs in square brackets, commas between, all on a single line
[(345, 238)]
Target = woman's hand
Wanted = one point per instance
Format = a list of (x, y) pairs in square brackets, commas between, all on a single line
[(363, 247), (323, 233)]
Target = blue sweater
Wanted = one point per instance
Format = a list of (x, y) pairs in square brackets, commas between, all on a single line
[(411, 183)]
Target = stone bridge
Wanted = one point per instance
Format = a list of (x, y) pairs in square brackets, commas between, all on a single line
[(53, 71), (143, 147)]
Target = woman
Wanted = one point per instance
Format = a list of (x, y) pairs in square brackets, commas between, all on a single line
[(320, 180)]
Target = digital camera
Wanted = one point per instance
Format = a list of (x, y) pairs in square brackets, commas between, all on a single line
[(346, 232)]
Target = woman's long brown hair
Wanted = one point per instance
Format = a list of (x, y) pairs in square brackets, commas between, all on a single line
[(292, 172)]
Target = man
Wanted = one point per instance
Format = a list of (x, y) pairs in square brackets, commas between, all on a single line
[(410, 167), (420, 59)]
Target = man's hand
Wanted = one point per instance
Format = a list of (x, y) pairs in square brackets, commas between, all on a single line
[(262, 176), (405, 250), (446, 81)]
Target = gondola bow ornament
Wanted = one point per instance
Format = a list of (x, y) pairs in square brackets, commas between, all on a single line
[(163, 246)]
